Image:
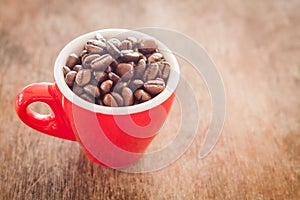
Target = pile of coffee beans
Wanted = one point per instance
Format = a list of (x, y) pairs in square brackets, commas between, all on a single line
[(117, 72)]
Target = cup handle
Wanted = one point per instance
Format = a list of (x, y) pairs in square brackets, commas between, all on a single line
[(53, 124)]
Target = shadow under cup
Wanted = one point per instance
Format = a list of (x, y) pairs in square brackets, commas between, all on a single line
[(113, 136)]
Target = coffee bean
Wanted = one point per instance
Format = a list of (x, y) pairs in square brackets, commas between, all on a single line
[(87, 98), (77, 68), (126, 45), (147, 46), (114, 77), (155, 57), (113, 49), (86, 61), (95, 46), (66, 70), (141, 95), (100, 76), (97, 43), (151, 72), (109, 100), (102, 62), (118, 98), (135, 84), (72, 60), (83, 77), (70, 78), (127, 96), (129, 56), (164, 68), (106, 86), (94, 49), (92, 90), (140, 68), (154, 86), (77, 89), (119, 86), (125, 71)]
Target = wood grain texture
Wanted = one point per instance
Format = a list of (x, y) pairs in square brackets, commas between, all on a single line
[(256, 47)]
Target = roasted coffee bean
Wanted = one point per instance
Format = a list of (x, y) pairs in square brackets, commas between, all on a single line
[(95, 46), (83, 77), (72, 60), (125, 71), (106, 86), (70, 78), (164, 68), (66, 70), (140, 69), (97, 43), (94, 49), (127, 96), (155, 57), (151, 72), (100, 76), (86, 61), (102, 62), (114, 77), (118, 98), (109, 100), (126, 45), (147, 46), (77, 89), (87, 98), (130, 56), (141, 95), (113, 49), (77, 68), (135, 84), (119, 86), (154, 86), (92, 90)]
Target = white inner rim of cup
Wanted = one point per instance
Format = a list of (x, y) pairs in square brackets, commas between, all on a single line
[(77, 45)]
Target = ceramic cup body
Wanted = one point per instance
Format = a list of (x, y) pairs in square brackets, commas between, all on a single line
[(110, 136)]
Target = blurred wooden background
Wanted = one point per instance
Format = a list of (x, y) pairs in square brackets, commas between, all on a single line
[(256, 46)]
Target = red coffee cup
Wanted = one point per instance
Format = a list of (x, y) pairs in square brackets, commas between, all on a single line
[(110, 136)]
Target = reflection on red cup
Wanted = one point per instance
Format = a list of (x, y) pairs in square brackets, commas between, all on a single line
[(110, 136)]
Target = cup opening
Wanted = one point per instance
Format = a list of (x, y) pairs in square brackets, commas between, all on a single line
[(76, 46)]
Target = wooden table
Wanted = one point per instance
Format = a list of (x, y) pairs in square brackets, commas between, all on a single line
[(256, 47)]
